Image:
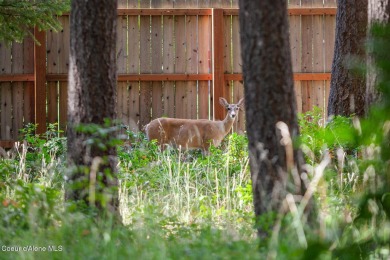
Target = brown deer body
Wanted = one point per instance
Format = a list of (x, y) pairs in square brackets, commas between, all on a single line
[(192, 133)]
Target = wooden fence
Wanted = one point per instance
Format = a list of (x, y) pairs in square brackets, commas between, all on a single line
[(171, 62)]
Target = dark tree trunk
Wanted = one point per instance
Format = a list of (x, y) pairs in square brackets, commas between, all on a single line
[(92, 97), (378, 12), (269, 99), (347, 89)]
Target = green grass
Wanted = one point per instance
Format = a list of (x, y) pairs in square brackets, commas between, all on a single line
[(174, 204)]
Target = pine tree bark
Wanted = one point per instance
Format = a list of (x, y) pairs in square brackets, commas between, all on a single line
[(347, 89), (378, 12), (92, 97), (269, 99)]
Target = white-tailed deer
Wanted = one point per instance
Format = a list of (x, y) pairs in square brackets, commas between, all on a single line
[(192, 133)]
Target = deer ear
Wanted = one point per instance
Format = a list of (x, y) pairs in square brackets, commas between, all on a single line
[(241, 103), (223, 102)]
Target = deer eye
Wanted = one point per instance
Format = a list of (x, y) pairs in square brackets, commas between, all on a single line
[(228, 108)]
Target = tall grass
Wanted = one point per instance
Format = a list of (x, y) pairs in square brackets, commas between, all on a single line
[(174, 204)]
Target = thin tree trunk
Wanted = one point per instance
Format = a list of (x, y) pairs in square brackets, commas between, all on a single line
[(269, 99), (378, 12), (347, 89), (92, 97)]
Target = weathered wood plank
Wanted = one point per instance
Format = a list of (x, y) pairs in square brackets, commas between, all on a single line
[(52, 102), (204, 51), (63, 105), (63, 45), (180, 66), (134, 106), (169, 65), (318, 87), (121, 44), (40, 80), (191, 65), (307, 52), (133, 67), (17, 89), (219, 89), (145, 67), (28, 101), (6, 111), (238, 87), (156, 38)]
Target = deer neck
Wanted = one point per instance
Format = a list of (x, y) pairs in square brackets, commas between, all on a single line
[(227, 124)]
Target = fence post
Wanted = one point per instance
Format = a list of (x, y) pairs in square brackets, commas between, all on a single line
[(219, 88), (40, 80)]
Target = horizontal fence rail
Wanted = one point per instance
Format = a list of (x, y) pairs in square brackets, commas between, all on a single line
[(172, 62)]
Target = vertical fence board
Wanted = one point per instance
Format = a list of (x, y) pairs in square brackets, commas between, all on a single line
[(63, 67), (28, 100), (17, 89), (298, 95), (192, 64), (157, 92), (52, 45), (134, 106), (238, 87), (52, 51), (168, 58), (227, 44), (227, 60), (63, 45), (121, 59), (133, 67), (28, 91), (145, 67), (204, 43), (219, 88), (168, 65), (6, 114), (63, 105), (180, 66), (121, 44), (6, 92), (318, 57), (28, 55), (40, 81), (307, 65), (52, 99), (5, 59)]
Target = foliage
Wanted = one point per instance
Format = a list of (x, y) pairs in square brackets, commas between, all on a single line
[(360, 149), (17, 17), (174, 204)]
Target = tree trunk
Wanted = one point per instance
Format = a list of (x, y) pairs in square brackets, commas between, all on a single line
[(378, 12), (92, 179), (347, 89), (269, 99)]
